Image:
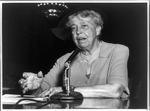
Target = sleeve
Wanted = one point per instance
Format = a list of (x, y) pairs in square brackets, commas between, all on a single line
[(53, 77), (118, 67)]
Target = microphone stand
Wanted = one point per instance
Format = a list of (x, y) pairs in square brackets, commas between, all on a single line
[(68, 94)]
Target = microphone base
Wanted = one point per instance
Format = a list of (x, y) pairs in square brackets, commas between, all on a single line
[(64, 96)]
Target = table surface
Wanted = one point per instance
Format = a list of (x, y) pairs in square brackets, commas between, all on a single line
[(86, 103)]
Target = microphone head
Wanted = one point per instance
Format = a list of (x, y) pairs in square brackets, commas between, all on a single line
[(72, 56)]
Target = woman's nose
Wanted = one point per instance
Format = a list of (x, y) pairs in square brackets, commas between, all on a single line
[(78, 31)]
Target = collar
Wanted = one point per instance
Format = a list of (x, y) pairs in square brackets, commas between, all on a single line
[(105, 50)]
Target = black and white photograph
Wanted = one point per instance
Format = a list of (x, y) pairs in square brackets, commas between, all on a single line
[(75, 55)]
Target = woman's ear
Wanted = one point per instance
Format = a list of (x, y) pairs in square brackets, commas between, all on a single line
[(98, 30)]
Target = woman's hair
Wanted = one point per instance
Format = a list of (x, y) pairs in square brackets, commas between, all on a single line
[(96, 17)]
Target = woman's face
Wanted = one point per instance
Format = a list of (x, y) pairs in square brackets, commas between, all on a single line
[(84, 32)]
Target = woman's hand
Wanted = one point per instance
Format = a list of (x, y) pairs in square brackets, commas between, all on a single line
[(50, 91), (31, 81)]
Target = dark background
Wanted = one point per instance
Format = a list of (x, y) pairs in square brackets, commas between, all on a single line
[(29, 44)]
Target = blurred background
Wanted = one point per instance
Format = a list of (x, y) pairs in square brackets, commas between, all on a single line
[(29, 44)]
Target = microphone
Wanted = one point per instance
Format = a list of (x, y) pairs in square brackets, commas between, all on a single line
[(68, 94), (73, 55)]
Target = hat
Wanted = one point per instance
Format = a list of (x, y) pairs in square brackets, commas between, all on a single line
[(64, 33)]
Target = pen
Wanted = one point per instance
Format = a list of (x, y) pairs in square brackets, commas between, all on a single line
[(22, 95), (21, 92)]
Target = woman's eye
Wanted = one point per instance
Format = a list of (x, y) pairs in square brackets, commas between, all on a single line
[(84, 26), (72, 28)]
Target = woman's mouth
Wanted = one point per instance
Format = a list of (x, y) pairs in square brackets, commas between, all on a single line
[(81, 39)]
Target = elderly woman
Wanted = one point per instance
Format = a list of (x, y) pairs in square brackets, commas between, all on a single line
[(98, 70)]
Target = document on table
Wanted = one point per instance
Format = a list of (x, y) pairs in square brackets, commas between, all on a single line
[(14, 98)]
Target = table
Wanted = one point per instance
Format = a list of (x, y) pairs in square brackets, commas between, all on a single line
[(86, 103)]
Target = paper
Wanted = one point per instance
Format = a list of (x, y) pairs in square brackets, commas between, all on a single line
[(13, 99)]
